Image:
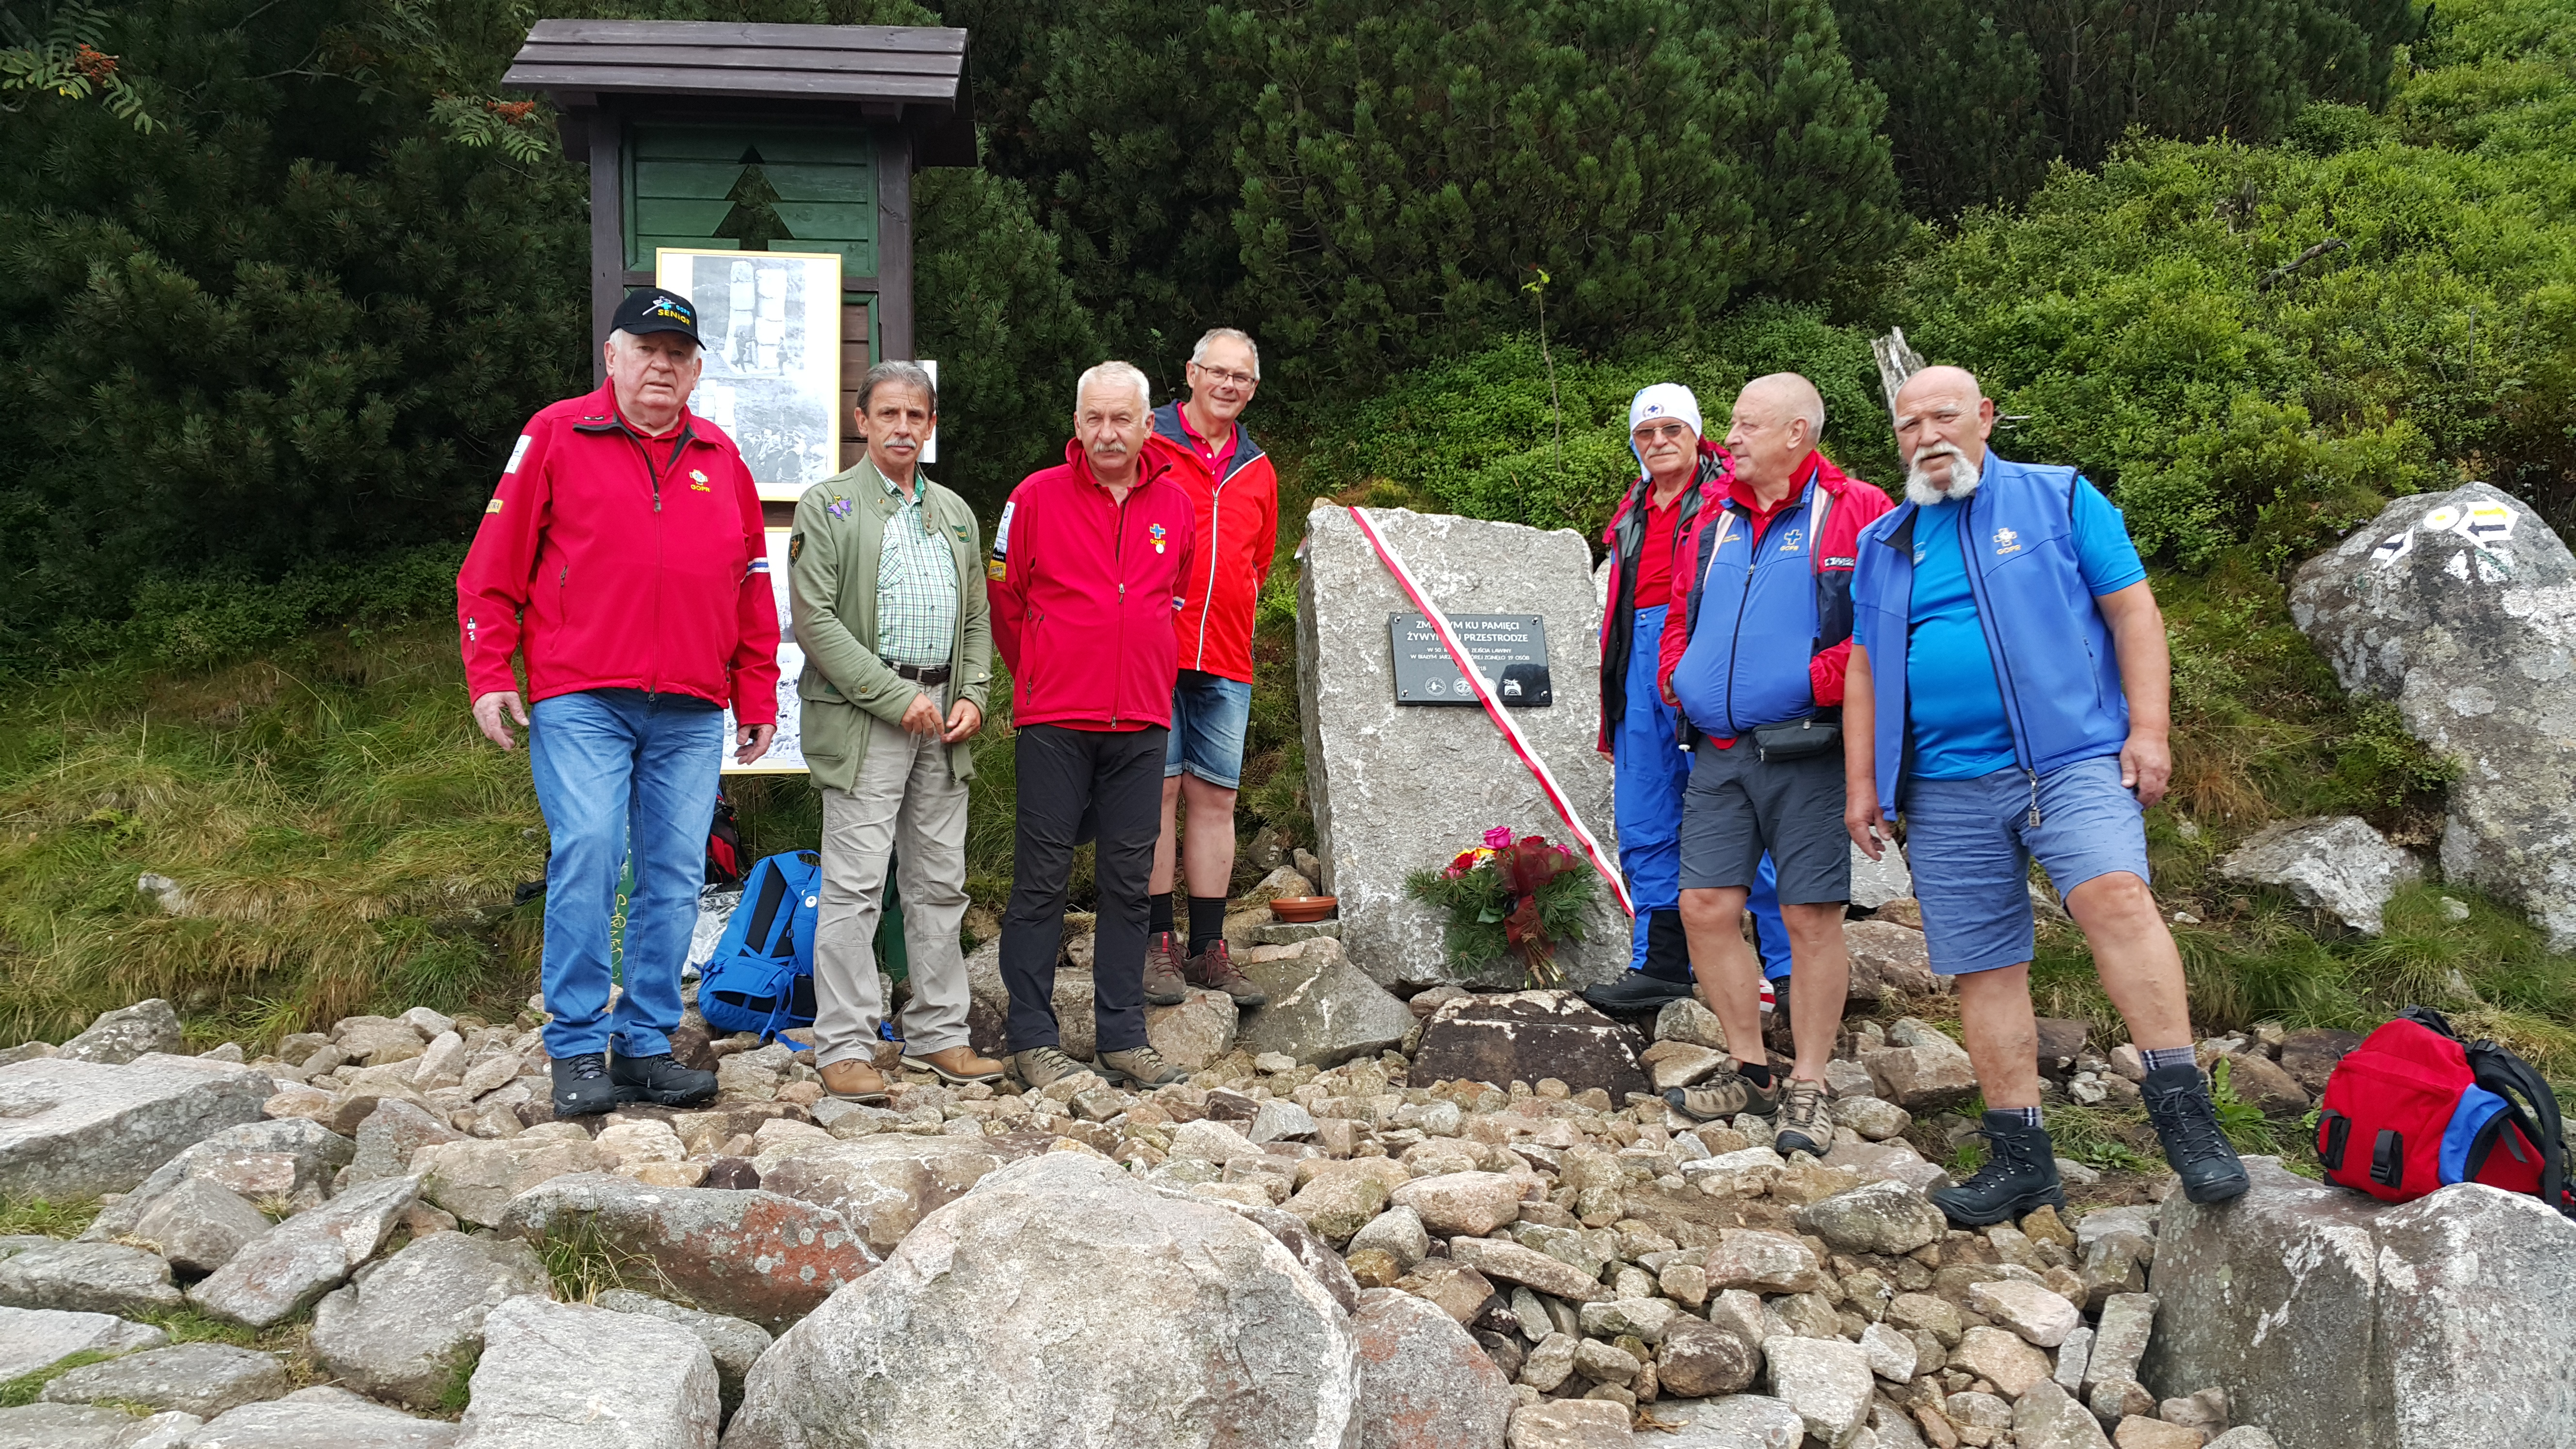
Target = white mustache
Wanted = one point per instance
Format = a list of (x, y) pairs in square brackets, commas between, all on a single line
[(1923, 492)]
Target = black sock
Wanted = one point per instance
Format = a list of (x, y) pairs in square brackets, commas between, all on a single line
[(1207, 921), (2014, 1116), (1667, 948), (1158, 916), (1759, 1076)]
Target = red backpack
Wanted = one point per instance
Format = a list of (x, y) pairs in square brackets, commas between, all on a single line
[(2414, 1108)]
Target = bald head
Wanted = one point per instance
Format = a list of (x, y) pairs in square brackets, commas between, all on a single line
[(1777, 421), (1942, 421)]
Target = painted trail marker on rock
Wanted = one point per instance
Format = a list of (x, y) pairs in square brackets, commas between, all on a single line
[(1395, 789)]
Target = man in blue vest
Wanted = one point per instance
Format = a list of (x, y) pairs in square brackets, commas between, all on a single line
[(2009, 694)]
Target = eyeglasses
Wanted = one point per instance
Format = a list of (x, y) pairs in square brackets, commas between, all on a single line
[(1224, 374), (1664, 432)]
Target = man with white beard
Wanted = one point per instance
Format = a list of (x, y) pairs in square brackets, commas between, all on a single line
[(2008, 694)]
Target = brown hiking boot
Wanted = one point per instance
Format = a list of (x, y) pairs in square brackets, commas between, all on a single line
[(854, 1079), (958, 1065), (1044, 1066), (1725, 1095), (1163, 983), (1142, 1068), (1214, 969), (1803, 1125)]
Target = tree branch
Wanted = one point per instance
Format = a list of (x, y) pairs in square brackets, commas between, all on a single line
[(2282, 273)]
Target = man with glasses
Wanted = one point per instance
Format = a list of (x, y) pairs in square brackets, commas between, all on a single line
[(1235, 496)]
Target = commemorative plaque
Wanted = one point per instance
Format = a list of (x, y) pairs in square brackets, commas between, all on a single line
[(1510, 650)]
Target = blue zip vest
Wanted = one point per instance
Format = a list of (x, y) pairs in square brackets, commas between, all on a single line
[(1753, 632), (2051, 648)]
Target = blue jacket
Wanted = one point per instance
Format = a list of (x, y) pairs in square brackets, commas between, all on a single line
[(2054, 664)]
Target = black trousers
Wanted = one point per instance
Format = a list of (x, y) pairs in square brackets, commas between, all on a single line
[(1072, 781)]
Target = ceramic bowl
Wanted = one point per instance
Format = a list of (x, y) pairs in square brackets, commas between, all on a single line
[(1303, 908)]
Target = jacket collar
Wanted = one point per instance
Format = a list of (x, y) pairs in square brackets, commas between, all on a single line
[(600, 414), (1151, 464), (1169, 427)]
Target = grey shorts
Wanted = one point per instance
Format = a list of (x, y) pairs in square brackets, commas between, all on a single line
[(1738, 805)]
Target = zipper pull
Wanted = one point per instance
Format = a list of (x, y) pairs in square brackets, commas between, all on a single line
[(2034, 798)]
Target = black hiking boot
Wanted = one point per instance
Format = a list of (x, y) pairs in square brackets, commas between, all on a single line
[(1636, 992), (661, 1080), (582, 1087), (2020, 1176), (2187, 1124)]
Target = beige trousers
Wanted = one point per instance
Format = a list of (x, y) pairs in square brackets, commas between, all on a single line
[(904, 801)]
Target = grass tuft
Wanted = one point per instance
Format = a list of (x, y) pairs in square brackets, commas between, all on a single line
[(21, 1391), (40, 1217)]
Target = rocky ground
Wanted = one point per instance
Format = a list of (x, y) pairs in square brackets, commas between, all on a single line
[(1456, 1220)]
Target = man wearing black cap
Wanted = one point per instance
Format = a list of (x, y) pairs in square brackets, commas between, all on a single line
[(622, 560)]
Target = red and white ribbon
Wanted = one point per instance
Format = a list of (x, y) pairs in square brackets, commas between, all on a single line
[(1502, 719)]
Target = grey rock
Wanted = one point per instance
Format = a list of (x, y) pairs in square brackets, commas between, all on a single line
[(1289, 933), (199, 1226), (1281, 1120), (1424, 1383), (2457, 606), (87, 1278), (321, 1417), (76, 1129), (203, 1379), (1735, 1421), (406, 1326), (1686, 1021), (119, 1036), (305, 1256), (477, 1180), (1323, 1010), (2072, 1357), (389, 1137), (2244, 1436), (2045, 1418), (1826, 1380), (1399, 1231), (1881, 1217), (571, 1376), (884, 1184), (1379, 773), (83, 1426), (751, 1254), (1570, 1424), (1889, 962), (1876, 882), (2336, 864), (1923, 1072), (1312, 1252), (1211, 1328), (36, 1338), (290, 1158), (735, 1344), (1526, 1036), (1699, 1359)]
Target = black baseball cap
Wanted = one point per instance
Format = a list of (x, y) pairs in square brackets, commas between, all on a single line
[(653, 309)]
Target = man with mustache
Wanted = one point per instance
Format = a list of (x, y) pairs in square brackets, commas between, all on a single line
[(1090, 561), (1756, 667), (888, 602), (2009, 696)]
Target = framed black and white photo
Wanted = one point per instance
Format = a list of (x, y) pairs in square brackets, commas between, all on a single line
[(771, 322)]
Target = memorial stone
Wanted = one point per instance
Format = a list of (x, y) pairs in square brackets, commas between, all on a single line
[(1397, 788)]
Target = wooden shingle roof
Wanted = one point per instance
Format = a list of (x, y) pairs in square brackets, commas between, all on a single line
[(921, 69)]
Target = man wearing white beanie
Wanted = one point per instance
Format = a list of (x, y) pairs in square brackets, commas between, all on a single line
[(1638, 729)]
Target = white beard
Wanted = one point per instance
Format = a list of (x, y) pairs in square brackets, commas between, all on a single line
[(1923, 492)]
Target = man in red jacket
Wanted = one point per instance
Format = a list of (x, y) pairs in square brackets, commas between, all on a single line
[(1235, 496), (622, 558), (1089, 563)]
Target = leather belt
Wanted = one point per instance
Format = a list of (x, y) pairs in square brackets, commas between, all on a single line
[(922, 673)]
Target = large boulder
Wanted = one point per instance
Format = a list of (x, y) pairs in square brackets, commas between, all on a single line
[(1322, 1010), (1399, 788), (75, 1129), (199, 1227), (571, 1376), (1061, 1302), (37, 1338), (748, 1254), (119, 1036), (2336, 864), (203, 1379), (1424, 1383), (2449, 1309), (87, 1278), (734, 1343), (2458, 607), (306, 1256), (885, 1184), (291, 1158), (405, 1327), (1527, 1036), (321, 1417)]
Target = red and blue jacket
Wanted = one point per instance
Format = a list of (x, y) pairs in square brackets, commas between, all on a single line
[(1238, 535), (1624, 538), (1766, 602), (1084, 587)]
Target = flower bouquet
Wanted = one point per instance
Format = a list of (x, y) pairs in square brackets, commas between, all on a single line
[(1509, 896)]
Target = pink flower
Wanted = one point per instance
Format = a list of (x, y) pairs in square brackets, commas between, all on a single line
[(1499, 838)]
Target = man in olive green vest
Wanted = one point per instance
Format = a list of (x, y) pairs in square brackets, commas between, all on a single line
[(888, 601)]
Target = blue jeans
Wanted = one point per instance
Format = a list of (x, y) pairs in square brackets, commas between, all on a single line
[(1971, 844), (1649, 772), (1210, 714), (619, 770)]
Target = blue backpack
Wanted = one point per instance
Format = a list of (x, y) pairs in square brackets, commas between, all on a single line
[(761, 978)]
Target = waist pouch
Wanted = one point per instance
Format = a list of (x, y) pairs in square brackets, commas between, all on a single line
[(1798, 739)]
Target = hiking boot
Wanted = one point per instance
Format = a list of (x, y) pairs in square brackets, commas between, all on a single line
[(660, 1079), (1141, 1068), (1724, 1095), (854, 1079), (957, 1066), (1043, 1067), (1636, 992), (1803, 1125), (2020, 1176), (1215, 970), (582, 1087), (1163, 983), (2187, 1124)]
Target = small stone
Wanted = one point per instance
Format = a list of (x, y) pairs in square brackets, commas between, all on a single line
[(1883, 1217), (400, 1330), (1826, 1380), (2072, 1356), (2244, 1436), (1760, 1259), (2205, 1410), (1570, 1424), (1892, 1354), (1685, 1020), (1338, 1205), (304, 1257), (1210, 1140), (2041, 1317), (2045, 1418), (87, 1278), (1926, 1313), (1539, 1272), (2120, 1338), (1457, 1291), (1550, 1363), (1646, 1318), (1604, 1363), (1873, 1118), (2136, 1432), (1282, 1121), (203, 1379), (2002, 1358), (2115, 1399), (1398, 1232), (476, 1179), (1462, 1203), (1684, 1283), (1373, 1268), (1698, 1359), (117, 1037), (734, 1343), (1271, 1063), (322, 1417), (1971, 1410), (557, 1374)]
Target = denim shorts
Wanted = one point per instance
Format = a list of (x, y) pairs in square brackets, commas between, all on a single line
[(1209, 715), (1970, 844)]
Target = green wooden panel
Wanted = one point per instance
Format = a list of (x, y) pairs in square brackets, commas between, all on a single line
[(681, 178), (705, 180), (680, 218), (833, 220)]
